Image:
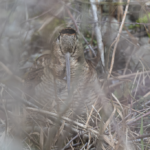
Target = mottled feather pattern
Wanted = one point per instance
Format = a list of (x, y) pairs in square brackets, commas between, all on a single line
[(52, 92)]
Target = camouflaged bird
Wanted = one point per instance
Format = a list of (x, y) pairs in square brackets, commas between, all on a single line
[(63, 79)]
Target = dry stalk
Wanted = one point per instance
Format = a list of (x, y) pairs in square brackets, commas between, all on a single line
[(70, 142), (126, 76), (117, 39), (97, 32), (64, 118), (90, 115), (93, 132), (148, 113)]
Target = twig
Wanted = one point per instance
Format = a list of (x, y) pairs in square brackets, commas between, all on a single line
[(90, 114), (64, 118), (73, 145), (50, 114), (113, 3), (126, 76), (84, 146), (117, 100), (70, 142), (141, 136), (98, 33), (127, 23), (148, 113), (117, 39)]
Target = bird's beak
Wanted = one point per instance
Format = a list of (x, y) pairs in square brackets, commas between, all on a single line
[(67, 57)]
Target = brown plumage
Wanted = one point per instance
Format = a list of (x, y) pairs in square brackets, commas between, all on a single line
[(48, 77)]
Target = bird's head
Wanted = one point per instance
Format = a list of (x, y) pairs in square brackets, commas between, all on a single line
[(67, 40), (67, 45)]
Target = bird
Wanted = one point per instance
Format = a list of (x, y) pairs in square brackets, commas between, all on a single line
[(63, 80)]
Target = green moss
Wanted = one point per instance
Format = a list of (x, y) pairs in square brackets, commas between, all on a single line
[(134, 26), (88, 37), (144, 19)]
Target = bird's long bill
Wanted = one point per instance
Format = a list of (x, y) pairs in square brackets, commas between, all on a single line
[(67, 57)]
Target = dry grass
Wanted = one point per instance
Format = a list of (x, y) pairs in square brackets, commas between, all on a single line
[(120, 123)]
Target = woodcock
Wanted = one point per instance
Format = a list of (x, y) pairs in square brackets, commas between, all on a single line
[(63, 80)]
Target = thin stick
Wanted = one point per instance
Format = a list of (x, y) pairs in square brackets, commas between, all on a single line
[(129, 123), (90, 114), (113, 3), (97, 32), (70, 141), (126, 76), (64, 118), (117, 39)]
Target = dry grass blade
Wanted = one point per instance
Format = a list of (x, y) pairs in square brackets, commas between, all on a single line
[(46, 117), (109, 120), (117, 100), (126, 76), (117, 39), (64, 118), (120, 113), (59, 132), (107, 140), (90, 115)]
